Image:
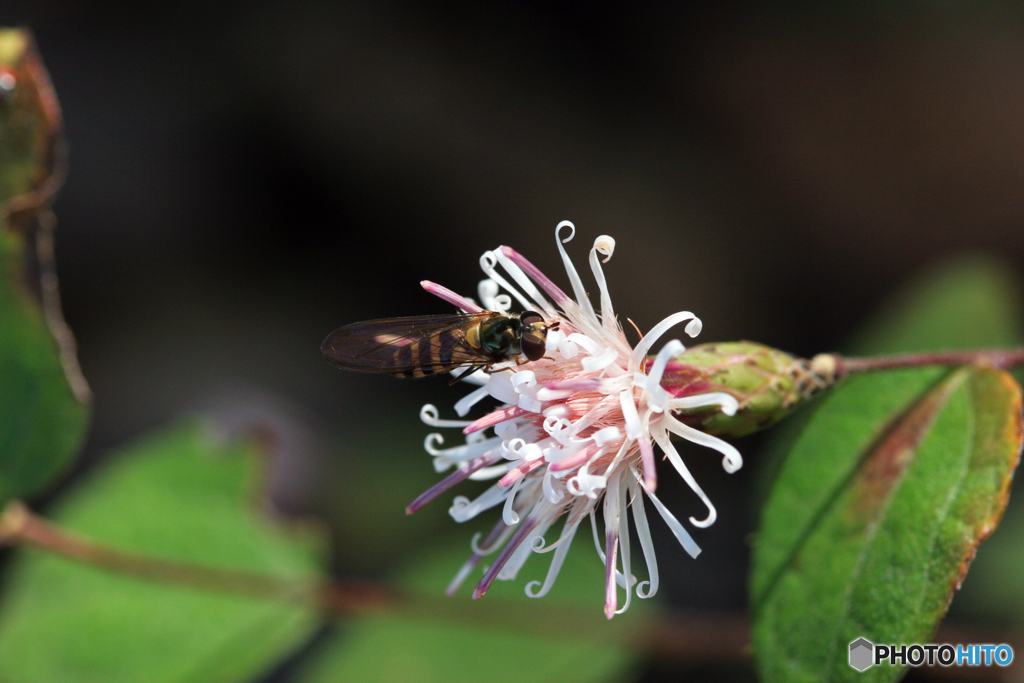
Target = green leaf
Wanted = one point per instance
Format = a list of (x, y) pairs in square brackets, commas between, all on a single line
[(502, 637), (180, 497), (880, 554), (42, 423), (878, 509)]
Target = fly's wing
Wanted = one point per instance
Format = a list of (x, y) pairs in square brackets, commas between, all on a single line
[(408, 347)]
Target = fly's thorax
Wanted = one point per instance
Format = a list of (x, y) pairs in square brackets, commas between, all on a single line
[(499, 336), (767, 383)]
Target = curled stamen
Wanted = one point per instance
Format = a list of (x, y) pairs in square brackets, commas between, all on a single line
[(577, 285), (429, 416), (487, 263), (677, 529), (728, 403), (645, 344), (657, 395), (604, 245), (673, 457)]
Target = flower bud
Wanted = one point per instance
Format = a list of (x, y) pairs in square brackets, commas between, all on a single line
[(767, 383)]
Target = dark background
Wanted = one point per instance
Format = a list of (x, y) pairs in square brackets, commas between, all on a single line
[(247, 176)]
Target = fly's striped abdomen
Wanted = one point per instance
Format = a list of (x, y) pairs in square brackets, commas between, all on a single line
[(430, 355), (426, 345)]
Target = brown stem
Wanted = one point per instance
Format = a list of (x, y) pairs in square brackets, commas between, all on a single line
[(1004, 359), (18, 525)]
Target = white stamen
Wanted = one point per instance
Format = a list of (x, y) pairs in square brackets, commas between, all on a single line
[(678, 531), (477, 377), (592, 347), (519, 276), (554, 340), (501, 303), (604, 245), (463, 405), (463, 508), (487, 289), (428, 413), (731, 461), (586, 484), (624, 547), (474, 544), (629, 414), (643, 533), (672, 455), (606, 435), (728, 403), (645, 344), (553, 495), (598, 363), (619, 578), (487, 262), (568, 349), (486, 473), (500, 387), (570, 270), (508, 514), (657, 396), (457, 453)]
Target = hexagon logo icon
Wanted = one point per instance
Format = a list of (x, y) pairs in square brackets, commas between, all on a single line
[(862, 653)]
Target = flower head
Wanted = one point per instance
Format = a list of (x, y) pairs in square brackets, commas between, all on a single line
[(574, 437)]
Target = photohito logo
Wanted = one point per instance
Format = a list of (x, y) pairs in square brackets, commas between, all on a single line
[(865, 654)]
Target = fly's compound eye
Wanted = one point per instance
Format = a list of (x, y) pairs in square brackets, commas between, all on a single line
[(530, 318), (533, 345)]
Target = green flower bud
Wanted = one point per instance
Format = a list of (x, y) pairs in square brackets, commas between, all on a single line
[(767, 383)]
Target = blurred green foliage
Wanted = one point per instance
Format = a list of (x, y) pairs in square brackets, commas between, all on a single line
[(503, 636), (180, 496)]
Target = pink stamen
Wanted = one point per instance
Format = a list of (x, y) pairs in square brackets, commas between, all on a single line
[(520, 471), (497, 417), (647, 464), (575, 460), (611, 591), (450, 296), (588, 384), (517, 539), (547, 285), (452, 479)]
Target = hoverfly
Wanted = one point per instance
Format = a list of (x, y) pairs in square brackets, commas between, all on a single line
[(424, 345)]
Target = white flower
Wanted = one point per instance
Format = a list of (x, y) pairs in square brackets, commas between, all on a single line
[(574, 437)]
